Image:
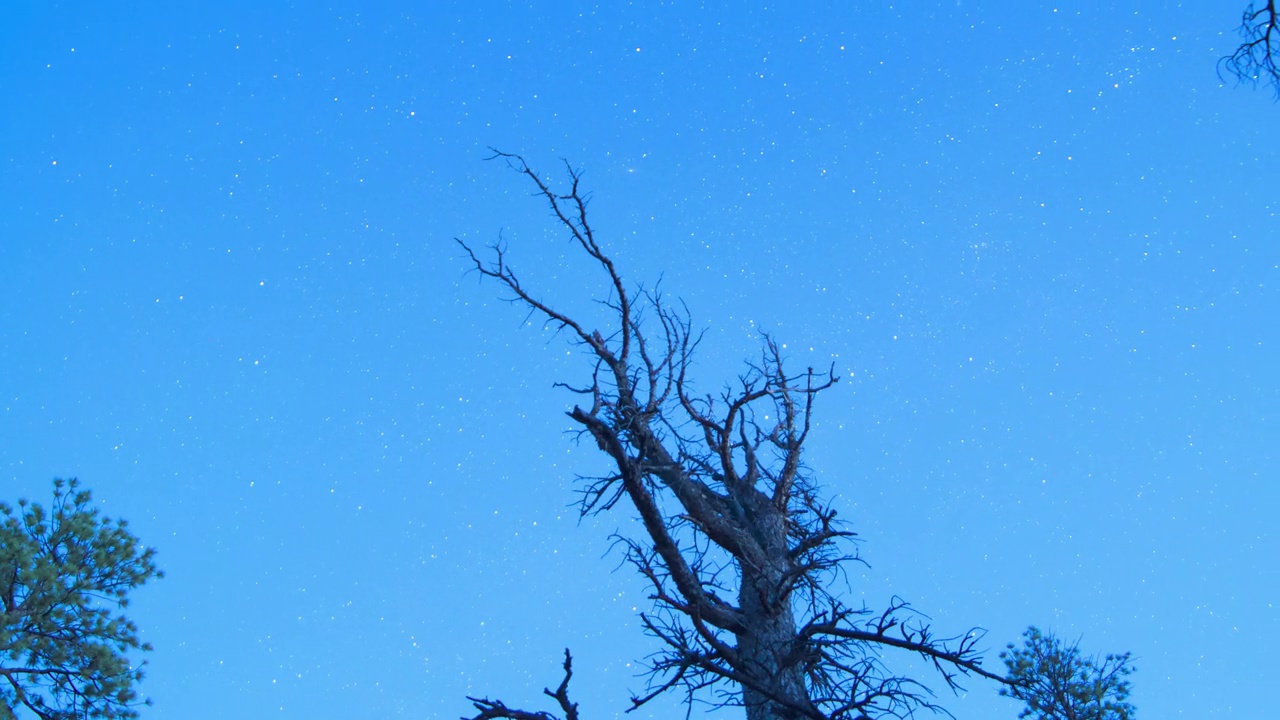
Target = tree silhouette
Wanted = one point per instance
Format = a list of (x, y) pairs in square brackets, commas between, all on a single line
[(739, 549), (1257, 56), (1057, 682), (62, 650)]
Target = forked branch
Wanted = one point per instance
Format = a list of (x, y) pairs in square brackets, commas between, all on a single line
[(1258, 56), (493, 709)]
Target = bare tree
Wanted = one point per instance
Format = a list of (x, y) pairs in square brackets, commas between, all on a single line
[(1258, 57), (739, 549)]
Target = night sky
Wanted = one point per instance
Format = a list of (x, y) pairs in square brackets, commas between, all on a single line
[(1038, 243)]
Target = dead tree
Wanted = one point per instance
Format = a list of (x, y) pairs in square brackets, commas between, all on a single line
[(1258, 56), (740, 550)]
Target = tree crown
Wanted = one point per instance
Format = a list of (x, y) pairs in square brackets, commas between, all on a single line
[(65, 571)]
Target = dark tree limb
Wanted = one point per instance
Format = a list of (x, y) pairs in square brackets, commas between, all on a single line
[(493, 709), (1258, 56)]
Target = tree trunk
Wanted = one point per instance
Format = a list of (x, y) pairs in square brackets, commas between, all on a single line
[(770, 628)]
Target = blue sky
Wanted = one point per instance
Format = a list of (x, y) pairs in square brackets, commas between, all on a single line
[(1039, 244)]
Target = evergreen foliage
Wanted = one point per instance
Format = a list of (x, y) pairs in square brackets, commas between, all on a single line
[(1057, 682), (65, 572)]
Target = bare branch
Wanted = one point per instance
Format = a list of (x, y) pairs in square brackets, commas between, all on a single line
[(492, 709), (1258, 56)]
